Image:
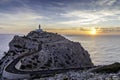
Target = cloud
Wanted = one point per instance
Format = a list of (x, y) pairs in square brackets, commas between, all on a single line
[(1, 28), (22, 17), (105, 2), (90, 17), (3, 1), (59, 13)]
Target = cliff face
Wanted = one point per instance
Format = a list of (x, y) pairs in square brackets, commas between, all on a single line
[(50, 51)]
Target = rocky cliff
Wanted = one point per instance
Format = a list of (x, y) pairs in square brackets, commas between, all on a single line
[(49, 51)]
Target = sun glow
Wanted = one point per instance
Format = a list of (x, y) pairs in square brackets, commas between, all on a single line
[(93, 31)]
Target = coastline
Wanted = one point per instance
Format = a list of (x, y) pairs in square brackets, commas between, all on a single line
[(100, 72)]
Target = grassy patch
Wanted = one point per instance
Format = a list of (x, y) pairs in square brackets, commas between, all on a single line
[(112, 68)]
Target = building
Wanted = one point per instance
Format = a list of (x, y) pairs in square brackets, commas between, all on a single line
[(39, 29)]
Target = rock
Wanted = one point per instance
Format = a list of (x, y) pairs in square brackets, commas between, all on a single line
[(19, 44), (79, 75), (50, 51)]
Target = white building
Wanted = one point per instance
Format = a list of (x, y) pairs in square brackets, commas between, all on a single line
[(39, 30)]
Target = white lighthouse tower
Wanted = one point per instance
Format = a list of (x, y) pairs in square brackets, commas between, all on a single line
[(39, 29)]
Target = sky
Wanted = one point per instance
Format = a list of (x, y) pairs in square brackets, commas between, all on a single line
[(62, 16)]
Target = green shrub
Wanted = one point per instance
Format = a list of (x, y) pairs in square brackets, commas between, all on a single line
[(65, 78), (22, 67), (113, 68)]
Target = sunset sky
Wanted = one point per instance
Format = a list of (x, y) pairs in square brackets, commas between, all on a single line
[(62, 16)]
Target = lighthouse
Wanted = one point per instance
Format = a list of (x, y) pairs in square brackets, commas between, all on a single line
[(39, 29), (39, 26)]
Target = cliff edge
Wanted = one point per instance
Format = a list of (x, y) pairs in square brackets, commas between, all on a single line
[(40, 50), (52, 51)]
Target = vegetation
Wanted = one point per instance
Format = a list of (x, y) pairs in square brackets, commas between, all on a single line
[(29, 66), (36, 56), (43, 67), (65, 78), (48, 63), (38, 61), (18, 46), (67, 62), (113, 68), (22, 67), (62, 65), (35, 64), (33, 58)]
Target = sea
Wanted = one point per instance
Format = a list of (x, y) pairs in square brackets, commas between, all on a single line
[(4, 43), (103, 50)]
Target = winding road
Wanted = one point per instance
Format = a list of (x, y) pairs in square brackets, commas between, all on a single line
[(11, 72)]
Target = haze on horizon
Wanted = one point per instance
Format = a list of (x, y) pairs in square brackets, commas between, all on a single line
[(62, 16)]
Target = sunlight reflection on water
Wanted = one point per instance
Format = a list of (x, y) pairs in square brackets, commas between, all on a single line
[(102, 49)]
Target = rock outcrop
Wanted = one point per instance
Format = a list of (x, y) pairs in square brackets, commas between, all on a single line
[(49, 51)]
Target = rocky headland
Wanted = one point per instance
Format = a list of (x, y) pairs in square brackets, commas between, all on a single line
[(50, 51), (41, 52)]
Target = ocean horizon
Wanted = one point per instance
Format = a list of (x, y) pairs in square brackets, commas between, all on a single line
[(103, 49)]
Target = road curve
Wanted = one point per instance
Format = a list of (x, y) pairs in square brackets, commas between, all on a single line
[(10, 68)]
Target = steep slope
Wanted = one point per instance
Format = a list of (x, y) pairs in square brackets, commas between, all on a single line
[(51, 51)]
